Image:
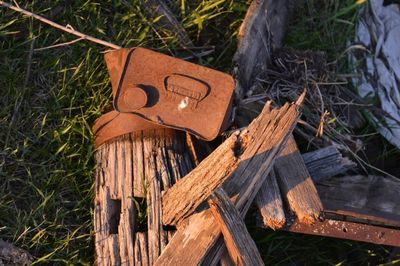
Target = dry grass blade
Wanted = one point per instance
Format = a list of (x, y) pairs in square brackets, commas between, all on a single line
[(60, 27)]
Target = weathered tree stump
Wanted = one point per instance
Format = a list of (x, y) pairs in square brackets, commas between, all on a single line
[(132, 171)]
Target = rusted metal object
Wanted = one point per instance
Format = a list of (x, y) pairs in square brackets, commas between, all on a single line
[(349, 230), (362, 215), (114, 124), (152, 90), (170, 92)]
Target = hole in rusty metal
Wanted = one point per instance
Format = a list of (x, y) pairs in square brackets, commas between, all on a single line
[(152, 94), (344, 229)]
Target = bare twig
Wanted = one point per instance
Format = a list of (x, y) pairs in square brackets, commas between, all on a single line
[(60, 27)]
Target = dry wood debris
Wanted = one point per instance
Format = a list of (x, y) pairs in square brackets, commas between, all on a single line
[(195, 216), (259, 144)]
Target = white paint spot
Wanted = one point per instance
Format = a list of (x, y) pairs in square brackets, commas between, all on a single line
[(183, 104)]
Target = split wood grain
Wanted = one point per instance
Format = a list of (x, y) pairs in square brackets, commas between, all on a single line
[(296, 184), (259, 144), (269, 203), (261, 32), (185, 196), (137, 165), (141, 253), (321, 163), (241, 247), (327, 162), (153, 198)]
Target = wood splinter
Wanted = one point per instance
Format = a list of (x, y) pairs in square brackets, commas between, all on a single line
[(240, 245)]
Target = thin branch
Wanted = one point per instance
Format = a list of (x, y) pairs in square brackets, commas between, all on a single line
[(60, 27)]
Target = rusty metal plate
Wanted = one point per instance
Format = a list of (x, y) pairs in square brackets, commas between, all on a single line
[(114, 124), (349, 230), (171, 92)]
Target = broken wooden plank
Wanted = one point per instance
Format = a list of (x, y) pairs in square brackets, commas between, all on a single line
[(183, 198), (320, 163), (262, 31), (326, 162), (296, 184), (369, 199), (259, 143), (269, 203), (240, 245)]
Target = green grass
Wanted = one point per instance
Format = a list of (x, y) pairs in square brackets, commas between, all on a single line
[(46, 154)]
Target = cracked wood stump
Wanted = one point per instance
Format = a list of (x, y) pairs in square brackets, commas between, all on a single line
[(131, 173)]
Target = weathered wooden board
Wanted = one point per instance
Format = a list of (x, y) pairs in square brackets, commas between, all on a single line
[(182, 199), (320, 164), (269, 203), (259, 143), (261, 31), (327, 162), (296, 184), (240, 245), (368, 199)]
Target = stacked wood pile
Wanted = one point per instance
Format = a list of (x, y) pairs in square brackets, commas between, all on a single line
[(158, 203)]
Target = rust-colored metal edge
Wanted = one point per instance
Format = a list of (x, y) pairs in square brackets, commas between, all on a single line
[(114, 124), (348, 230), (361, 215)]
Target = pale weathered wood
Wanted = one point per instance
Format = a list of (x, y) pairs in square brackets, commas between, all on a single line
[(372, 199), (269, 203), (326, 162), (238, 241), (139, 188), (259, 143), (183, 198), (153, 199), (296, 184), (166, 22), (261, 32), (137, 165), (141, 253), (320, 163)]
